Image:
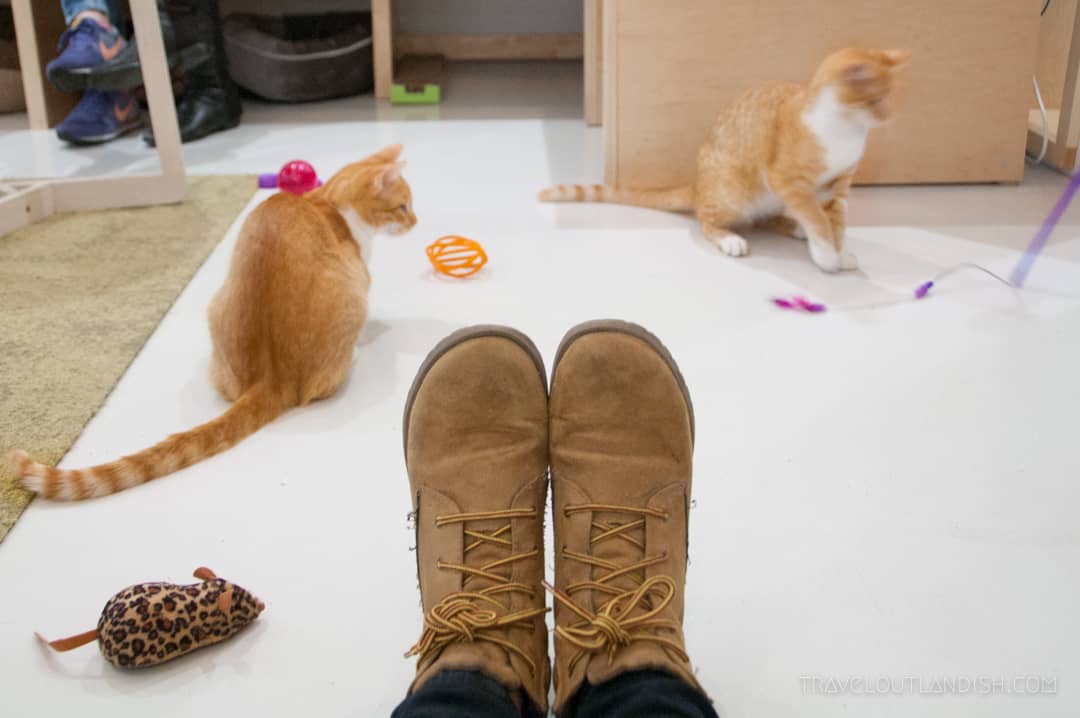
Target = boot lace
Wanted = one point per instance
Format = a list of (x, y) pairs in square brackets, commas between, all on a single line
[(481, 615), (627, 615)]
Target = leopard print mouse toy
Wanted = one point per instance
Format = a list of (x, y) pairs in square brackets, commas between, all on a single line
[(150, 623)]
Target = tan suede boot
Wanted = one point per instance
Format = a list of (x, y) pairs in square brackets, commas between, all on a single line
[(476, 447), (622, 433)]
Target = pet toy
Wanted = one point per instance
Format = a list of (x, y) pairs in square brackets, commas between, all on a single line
[(457, 257), (296, 177), (1015, 280), (151, 623)]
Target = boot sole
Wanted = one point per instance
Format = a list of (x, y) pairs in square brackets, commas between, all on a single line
[(618, 326), (459, 337)]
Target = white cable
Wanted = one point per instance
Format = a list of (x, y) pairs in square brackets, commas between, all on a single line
[(1045, 122)]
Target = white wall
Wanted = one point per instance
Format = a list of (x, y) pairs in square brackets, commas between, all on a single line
[(476, 16)]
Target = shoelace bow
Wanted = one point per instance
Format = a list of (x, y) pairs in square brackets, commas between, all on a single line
[(469, 616), (627, 616)]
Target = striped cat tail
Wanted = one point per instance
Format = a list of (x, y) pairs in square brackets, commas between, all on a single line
[(676, 199), (253, 410)]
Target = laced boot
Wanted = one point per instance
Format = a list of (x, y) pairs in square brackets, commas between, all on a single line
[(476, 448), (621, 433)]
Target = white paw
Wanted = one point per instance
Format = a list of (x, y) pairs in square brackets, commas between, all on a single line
[(848, 261), (824, 256), (732, 245)]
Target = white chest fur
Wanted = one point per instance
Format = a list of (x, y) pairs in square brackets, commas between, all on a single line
[(842, 135), (363, 233)]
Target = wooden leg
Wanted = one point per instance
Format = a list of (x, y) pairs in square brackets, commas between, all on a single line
[(382, 40), (593, 62), (38, 26), (158, 84), (1068, 129)]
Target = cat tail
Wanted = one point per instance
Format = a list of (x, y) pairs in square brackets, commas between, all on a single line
[(676, 199), (253, 410)]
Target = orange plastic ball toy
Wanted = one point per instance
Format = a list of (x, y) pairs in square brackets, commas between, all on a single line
[(457, 257)]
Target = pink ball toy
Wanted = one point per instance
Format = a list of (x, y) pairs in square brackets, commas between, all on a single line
[(297, 177)]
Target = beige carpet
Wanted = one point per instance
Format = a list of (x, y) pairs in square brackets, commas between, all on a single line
[(80, 294)]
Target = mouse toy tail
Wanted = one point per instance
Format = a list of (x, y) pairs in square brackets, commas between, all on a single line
[(204, 573), (66, 644)]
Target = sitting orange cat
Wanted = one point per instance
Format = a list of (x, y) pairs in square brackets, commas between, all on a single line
[(283, 326), (781, 157)]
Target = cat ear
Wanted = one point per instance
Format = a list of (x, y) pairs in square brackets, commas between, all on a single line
[(388, 176), (896, 58), (858, 73), (388, 154)]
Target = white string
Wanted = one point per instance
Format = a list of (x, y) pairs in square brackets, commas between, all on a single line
[(1045, 123), (1042, 106)]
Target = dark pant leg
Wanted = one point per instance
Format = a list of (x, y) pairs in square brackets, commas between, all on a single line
[(459, 694), (641, 694)]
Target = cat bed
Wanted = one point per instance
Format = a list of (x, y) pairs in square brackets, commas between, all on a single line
[(300, 58)]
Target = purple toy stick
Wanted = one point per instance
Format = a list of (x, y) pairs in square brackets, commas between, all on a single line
[(1019, 274)]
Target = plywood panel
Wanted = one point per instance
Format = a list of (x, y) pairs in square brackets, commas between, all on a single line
[(964, 99)]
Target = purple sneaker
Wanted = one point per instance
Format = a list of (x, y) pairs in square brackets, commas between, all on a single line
[(99, 117), (84, 45)]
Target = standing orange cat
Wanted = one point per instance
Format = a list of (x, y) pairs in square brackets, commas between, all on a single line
[(283, 326), (781, 158)]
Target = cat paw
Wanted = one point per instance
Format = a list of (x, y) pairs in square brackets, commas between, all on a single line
[(825, 256), (732, 245)]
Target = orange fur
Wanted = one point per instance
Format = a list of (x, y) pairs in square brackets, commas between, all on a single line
[(781, 157), (283, 325)]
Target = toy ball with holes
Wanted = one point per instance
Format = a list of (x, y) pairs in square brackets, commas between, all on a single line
[(457, 257), (295, 177)]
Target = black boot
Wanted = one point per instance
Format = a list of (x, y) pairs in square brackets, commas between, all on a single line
[(184, 50), (211, 101)]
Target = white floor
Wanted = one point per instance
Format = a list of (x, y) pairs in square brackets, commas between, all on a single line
[(885, 494)]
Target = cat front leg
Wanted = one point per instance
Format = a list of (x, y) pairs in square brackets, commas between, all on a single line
[(836, 210), (802, 203), (716, 223)]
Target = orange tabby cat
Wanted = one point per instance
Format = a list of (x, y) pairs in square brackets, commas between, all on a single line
[(781, 157), (283, 325)]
